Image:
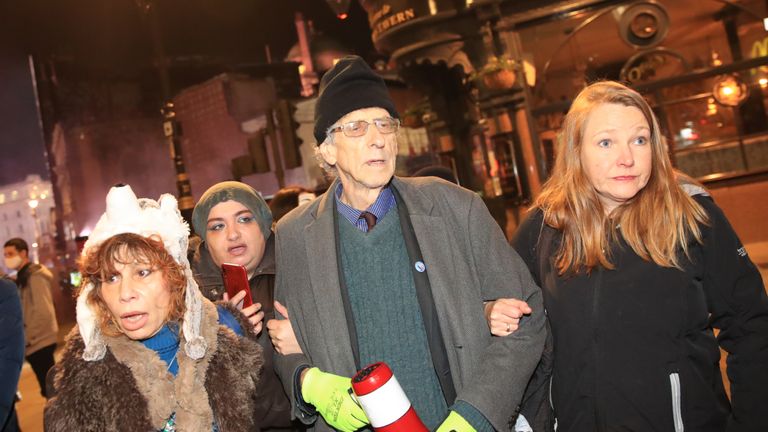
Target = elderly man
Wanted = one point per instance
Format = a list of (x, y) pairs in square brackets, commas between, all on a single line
[(234, 223), (382, 268)]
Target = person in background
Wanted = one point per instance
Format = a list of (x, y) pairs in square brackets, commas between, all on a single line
[(287, 199), (235, 225), (638, 265), (149, 352), (438, 171), (11, 352), (381, 268), (40, 326)]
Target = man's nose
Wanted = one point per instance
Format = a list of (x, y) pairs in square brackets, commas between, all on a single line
[(374, 136)]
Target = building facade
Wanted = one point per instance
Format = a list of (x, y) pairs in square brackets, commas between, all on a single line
[(26, 211)]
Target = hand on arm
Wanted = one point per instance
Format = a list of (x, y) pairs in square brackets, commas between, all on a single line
[(503, 315), (331, 395), (281, 333), (253, 312)]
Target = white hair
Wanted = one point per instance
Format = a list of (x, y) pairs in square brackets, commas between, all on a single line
[(329, 169)]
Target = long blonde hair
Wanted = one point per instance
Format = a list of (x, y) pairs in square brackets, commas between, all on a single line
[(656, 223)]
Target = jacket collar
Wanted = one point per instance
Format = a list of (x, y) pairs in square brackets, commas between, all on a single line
[(22, 277), (185, 395), (418, 204)]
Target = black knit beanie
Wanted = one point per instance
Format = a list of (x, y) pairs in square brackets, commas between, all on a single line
[(350, 85), (232, 191)]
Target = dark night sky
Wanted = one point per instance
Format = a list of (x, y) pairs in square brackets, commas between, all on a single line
[(21, 144), (113, 36)]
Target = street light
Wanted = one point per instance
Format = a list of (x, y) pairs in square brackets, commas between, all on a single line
[(33, 203)]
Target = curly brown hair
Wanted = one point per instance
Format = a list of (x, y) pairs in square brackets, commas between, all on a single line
[(99, 263)]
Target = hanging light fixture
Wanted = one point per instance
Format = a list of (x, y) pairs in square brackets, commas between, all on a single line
[(644, 24), (729, 90), (339, 7)]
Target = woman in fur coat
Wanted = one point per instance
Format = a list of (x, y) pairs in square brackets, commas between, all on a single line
[(149, 353)]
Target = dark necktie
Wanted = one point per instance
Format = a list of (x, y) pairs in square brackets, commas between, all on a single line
[(370, 219)]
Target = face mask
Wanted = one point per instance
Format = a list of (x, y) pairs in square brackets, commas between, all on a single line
[(13, 262)]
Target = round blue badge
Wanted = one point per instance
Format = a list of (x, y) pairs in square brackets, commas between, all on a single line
[(420, 267)]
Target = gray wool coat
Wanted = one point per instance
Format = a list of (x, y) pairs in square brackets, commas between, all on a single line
[(468, 261)]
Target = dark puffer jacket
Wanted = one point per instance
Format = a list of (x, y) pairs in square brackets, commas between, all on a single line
[(634, 347)]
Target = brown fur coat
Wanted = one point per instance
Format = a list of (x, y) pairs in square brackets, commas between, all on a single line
[(131, 389)]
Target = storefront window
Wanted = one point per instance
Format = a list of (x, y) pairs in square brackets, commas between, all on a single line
[(712, 133)]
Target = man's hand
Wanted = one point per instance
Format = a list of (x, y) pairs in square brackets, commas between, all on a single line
[(455, 423), (332, 397), (253, 312), (281, 333), (503, 315)]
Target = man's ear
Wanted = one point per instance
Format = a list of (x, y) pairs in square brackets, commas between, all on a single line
[(328, 152), (24, 254)]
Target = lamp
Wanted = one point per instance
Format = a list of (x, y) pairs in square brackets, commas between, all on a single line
[(729, 90), (339, 7), (33, 203)]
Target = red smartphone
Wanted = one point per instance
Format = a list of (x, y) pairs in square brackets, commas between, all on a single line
[(236, 280)]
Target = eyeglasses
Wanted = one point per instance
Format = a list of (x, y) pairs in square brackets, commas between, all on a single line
[(359, 128)]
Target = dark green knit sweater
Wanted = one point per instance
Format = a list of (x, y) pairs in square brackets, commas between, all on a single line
[(386, 312)]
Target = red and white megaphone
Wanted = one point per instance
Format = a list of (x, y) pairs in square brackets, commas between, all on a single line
[(384, 401)]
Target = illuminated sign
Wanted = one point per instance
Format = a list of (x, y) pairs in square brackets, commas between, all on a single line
[(385, 15), (392, 20), (759, 49)]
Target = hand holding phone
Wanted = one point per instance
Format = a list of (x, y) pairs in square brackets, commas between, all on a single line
[(236, 280)]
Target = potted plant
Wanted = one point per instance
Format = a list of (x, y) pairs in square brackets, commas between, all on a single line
[(498, 73), (413, 117)]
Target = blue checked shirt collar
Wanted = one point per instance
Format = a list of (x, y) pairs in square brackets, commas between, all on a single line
[(383, 204)]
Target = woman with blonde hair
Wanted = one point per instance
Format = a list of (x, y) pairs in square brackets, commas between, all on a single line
[(638, 265)]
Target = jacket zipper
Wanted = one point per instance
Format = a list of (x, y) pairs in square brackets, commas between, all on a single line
[(551, 401), (677, 412), (595, 336)]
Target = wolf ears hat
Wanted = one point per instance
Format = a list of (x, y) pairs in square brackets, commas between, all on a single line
[(127, 214)]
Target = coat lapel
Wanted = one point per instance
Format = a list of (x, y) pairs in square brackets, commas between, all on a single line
[(436, 248), (321, 256)]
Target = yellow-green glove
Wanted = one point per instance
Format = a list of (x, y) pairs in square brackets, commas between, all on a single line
[(332, 397), (455, 423)]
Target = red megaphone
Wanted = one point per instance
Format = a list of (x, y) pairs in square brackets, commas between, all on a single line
[(384, 401)]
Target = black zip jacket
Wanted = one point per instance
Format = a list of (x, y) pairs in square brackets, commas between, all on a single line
[(634, 347)]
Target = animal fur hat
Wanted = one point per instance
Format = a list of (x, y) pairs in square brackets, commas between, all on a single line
[(127, 214)]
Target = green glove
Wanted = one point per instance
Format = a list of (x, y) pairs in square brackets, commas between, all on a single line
[(455, 423), (332, 397)]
